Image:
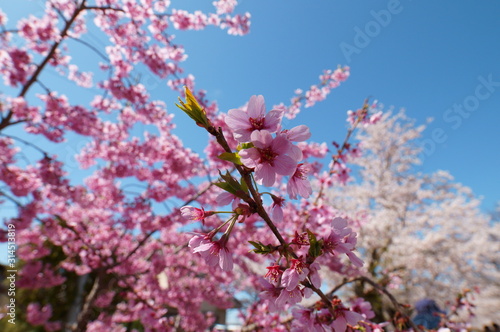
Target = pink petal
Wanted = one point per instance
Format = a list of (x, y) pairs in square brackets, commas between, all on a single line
[(355, 259), (339, 223), (281, 144), (292, 189), (225, 260), (242, 135), (204, 248), (256, 107), (353, 317), (277, 214), (224, 198), (249, 157), (261, 138), (340, 324), (290, 279), (304, 188), (295, 152), (273, 120), (237, 119), (265, 175), (284, 165), (213, 257), (196, 241), (299, 133)]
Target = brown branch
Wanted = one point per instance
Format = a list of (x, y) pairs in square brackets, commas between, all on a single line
[(394, 301), (103, 8), (255, 202), (85, 314)]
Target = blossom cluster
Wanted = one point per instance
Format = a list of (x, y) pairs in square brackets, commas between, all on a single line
[(267, 153), (117, 240), (270, 156), (330, 79)]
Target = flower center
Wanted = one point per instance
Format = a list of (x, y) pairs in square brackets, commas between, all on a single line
[(267, 155), (301, 172), (258, 123)]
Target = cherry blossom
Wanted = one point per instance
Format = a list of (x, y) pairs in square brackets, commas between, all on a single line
[(299, 185), (342, 241), (214, 252), (268, 157), (126, 235), (192, 213), (244, 122)]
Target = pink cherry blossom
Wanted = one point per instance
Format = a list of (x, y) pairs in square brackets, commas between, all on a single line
[(342, 241), (193, 213), (277, 208), (289, 297), (298, 185), (273, 274), (296, 273), (225, 6), (214, 252), (237, 25), (268, 157), (37, 315), (363, 307), (344, 317), (244, 122), (314, 274), (226, 198), (270, 294)]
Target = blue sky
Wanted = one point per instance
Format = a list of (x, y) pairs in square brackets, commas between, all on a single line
[(429, 57)]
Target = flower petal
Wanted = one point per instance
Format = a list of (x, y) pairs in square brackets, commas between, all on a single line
[(237, 119), (299, 133), (284, 165), (352, 317), (340, 324), (355, 259), (265, 175), (225, 260), (273, 120), (261, 138), (256, 107), (295, 152), (281, 144), (249, 157)]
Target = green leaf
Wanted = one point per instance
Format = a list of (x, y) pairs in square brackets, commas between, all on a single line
[(232, 157), (261, 248), (231, 185), (314, 245), (225, 186), (243, 146), (193, 109), (244, 185)]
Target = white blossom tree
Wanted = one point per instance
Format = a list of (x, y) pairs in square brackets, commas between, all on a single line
[(421, 235)]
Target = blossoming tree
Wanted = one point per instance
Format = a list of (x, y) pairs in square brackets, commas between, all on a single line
[(100, 256), (444, 244)]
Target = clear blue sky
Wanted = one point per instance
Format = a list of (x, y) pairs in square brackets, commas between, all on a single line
[(426, 57)]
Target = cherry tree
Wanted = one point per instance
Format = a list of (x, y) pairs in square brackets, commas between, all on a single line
[(444, 243), (156, 231)]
